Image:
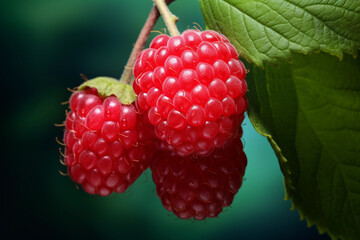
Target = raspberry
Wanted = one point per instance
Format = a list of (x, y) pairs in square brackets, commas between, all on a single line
[(199, 187), (192, 88), (107, 144)]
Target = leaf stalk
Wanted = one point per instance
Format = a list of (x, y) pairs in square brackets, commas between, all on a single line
[(169, 18), (127, 74)]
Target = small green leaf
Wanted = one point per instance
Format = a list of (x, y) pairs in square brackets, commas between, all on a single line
[(267, 30), (310, 112), (107, 86)]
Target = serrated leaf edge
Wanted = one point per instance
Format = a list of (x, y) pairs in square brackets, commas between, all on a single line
[(287, 181)]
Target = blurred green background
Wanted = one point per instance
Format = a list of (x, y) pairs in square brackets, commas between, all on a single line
[(46, 44)]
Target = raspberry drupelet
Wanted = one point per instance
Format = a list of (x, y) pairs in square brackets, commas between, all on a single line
[(192, 88), (107, 144), (199, 188)]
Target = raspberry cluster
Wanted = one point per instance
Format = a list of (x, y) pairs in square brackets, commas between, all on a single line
[(107, 144), (192, 88), (185, 124)]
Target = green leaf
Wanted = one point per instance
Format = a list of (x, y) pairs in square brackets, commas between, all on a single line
[(107, 86), (310, 112), (267, 30)]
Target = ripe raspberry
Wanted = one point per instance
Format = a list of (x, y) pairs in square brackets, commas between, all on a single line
[(192, 87), (107, 144), (199, 187)]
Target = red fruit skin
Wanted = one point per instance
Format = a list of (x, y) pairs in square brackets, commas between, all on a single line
[(191, 84), (107, 145), (199, 188)]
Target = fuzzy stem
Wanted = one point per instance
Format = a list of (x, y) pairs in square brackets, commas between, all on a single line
[(139, 45), (169, 19)]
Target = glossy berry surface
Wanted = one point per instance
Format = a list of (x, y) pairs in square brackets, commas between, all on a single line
[(107, 144), (199, 188), (192, 88)]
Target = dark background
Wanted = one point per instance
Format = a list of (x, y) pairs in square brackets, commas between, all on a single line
[(45, 45)]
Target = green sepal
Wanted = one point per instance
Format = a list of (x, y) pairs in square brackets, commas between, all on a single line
[(107, 86)]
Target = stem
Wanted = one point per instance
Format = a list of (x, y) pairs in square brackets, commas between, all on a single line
[(139, 45), (154, 14), (169, 19)]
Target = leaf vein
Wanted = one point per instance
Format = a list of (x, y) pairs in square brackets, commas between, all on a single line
[(324, 23), (341, 7), (334, 158)]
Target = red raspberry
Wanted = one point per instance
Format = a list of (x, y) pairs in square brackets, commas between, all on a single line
[(199, 187), (192, 87), (107, 144)]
